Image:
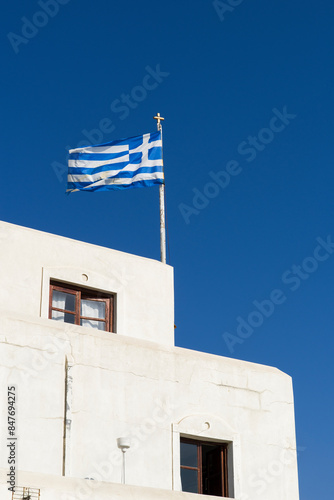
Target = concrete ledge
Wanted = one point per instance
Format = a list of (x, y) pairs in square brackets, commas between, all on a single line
[(68, 488)]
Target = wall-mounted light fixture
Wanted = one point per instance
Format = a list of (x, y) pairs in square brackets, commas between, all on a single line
[(123, 444)]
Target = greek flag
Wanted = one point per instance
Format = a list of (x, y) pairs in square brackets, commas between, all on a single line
[(123, 164)]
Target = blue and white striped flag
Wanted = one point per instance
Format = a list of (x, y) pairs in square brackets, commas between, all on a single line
[(123, 164)]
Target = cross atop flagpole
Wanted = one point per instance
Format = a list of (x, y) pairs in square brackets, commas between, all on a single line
[(162, 206), (158, 118)]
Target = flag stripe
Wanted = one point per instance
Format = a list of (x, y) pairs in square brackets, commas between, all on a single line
[(86, 168), (107, 174), (102, 148), (138, 182), (100, 156), (77, 165)]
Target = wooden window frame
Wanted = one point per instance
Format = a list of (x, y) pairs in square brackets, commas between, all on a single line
[(199, 468), (80, 294)]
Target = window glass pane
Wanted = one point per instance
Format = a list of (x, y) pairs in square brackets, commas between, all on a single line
[(211, 470), (189, 480), (99, 325), (211, 458), (63, 300), (189, 454), (65, 317), (93, 309)]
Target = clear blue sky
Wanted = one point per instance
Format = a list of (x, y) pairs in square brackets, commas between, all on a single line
[(222, 81)]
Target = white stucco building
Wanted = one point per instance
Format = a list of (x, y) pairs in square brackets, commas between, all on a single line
[(106, 367)]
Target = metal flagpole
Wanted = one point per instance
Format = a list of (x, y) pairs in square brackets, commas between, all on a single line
[(162, 207)]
